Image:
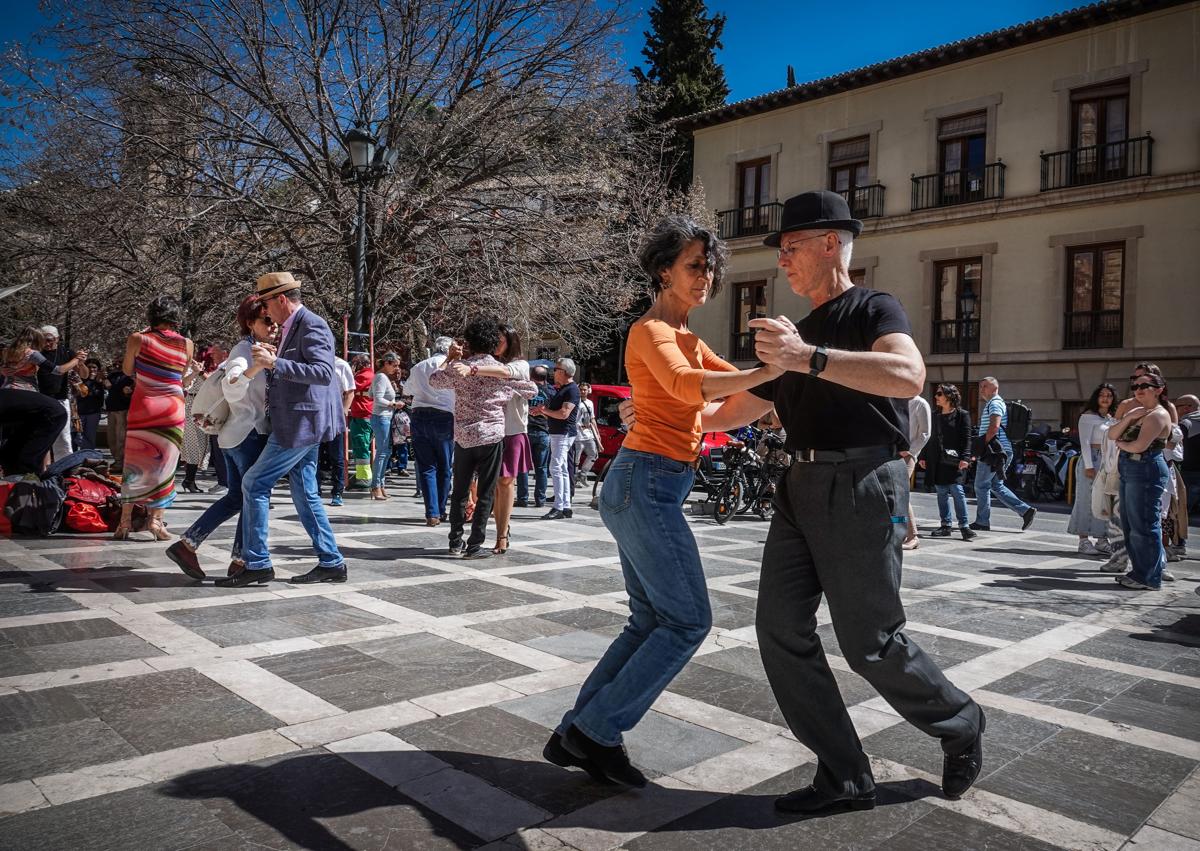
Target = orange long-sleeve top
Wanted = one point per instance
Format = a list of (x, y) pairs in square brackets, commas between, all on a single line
[(666, 367)]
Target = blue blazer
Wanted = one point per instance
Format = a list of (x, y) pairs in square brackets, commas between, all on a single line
[(304, 396)]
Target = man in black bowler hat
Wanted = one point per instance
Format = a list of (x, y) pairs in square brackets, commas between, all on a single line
[(840, 519)]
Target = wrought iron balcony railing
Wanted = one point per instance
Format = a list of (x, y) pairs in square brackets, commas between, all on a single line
[(866, 202), (948, 336), (964, 186), (1098, 163), (1092, 329), (742, 346), (749, 221)]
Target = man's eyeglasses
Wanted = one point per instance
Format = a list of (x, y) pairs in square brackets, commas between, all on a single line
[(791, 249)]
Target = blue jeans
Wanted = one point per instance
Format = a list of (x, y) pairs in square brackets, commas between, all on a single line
[(238, 461), (989, 483), (400, 456), (381, 428), (300, 465), (944, 493), (539, 446), (1143, 484), (433, 443), (669, 612)]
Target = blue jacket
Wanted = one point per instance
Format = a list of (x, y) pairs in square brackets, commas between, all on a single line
[(304, 397)]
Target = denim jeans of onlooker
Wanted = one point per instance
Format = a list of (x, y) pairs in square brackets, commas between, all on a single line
[(1143, 484), (300, 465), (381, 427), (238, 460), (669, 612), (944, 494), (989, 483), (91, 425), (539, 446), (433, 443), (561, 471)]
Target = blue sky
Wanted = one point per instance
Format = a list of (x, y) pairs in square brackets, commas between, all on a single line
[(817, 39)]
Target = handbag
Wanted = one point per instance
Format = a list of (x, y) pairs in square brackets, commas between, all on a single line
[(209, 408)]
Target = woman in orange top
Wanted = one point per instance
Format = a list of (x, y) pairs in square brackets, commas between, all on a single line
[(674, 377)]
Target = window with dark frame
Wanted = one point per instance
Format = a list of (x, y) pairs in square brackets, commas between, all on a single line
[(1095, 296), (754, 191), (749, 302), (858, 277), (1100, 130), (950, 329), (849, 176), (962, 156)]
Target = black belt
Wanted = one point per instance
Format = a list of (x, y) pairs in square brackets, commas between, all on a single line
[(838, 456)]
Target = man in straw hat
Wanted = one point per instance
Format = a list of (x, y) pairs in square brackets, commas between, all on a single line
[(304, 409), (840, 519)]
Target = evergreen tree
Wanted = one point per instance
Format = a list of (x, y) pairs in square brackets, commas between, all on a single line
[(682, 75)]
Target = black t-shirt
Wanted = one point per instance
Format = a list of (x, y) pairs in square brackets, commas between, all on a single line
[(1190, 425), (49, 381), (117, 399), (819, 414), (93, 402), (568, 393)]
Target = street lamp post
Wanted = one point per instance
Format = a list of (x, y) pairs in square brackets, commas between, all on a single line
[(369, 161), (966, 309)]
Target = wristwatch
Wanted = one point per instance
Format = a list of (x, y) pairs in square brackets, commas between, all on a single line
[(474, 369), (816, 363)]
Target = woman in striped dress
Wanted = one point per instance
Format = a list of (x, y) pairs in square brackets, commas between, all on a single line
[(158, 359)]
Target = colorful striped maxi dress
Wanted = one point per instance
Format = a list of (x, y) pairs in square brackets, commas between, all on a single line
[(156, 414)]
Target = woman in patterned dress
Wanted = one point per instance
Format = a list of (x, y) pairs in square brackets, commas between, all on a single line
[(158, 358)]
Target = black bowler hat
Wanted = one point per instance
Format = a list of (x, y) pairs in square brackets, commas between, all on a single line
[(821, 210)]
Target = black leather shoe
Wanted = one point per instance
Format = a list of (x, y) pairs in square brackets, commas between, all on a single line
[(568, 513), (247, 577), (979, 527), (554, 752), (476, 552), (553, 514), (967, 534), (940, 532), (959, 771), (612, 762), (456, 549), (1027, 518), (185, 557), (320, 574), (521, 503), (811, 802)]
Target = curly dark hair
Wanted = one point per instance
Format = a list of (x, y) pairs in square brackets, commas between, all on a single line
[(667, 240), (164, 310), (482, 335), (1093, 402), (950, 391)]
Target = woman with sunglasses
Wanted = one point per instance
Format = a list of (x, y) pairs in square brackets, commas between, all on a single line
[(1142, 433), (241, 439), (950, 452)]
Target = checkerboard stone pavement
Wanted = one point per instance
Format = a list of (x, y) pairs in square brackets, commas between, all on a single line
[(407, 708)]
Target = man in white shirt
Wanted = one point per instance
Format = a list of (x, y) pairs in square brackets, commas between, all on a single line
[(432, 419), (918, 435), (333, 451)]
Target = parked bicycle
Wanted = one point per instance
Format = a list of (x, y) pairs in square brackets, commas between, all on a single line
[(750, 480)]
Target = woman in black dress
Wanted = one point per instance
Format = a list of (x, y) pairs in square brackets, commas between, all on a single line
[(948, 452)]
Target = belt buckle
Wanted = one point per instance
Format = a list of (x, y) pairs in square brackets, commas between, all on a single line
[(806, 456)]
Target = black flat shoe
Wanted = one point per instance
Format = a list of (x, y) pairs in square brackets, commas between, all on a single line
[(247, 577), (1027, 518), (320, 574), (811, 802), (476, 553), (568, 513), (185, 557), (979, 527), (611, 761), (960, 771), (940, 532), (555, 753), (553, 514)]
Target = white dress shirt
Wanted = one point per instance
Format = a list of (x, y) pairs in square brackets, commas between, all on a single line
[(423, 395), (247, 398)]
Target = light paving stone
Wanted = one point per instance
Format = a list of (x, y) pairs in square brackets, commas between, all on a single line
[(1155, 839), (20, 797), (325, 730), (1180, 813), (738, 769), (287, 702)]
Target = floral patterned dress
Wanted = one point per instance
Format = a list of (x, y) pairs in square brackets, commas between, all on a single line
[(156, 415)]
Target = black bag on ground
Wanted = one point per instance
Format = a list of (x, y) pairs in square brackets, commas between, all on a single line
[(36, 507)]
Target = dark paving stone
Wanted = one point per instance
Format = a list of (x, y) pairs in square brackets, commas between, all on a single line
[(1012, 626), (62, 747), (593, 620), (1078, 688), (247, 623), (522, 629), (1144, 649), (514, 556), (924, 579), (170, 709), (374, 570), (98, 651), (748, 822), (18, 600), (373, 673), (743, 695), (505, 751), (945, 652), (732, 611), (155, 585), (61, 632), (744, 661), (589, 581), (260, 610), (752, 585), (456, 598), (945, 830), (1165, 707), (42, 708)]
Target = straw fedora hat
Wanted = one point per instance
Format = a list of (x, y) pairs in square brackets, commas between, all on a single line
[(275, 283)]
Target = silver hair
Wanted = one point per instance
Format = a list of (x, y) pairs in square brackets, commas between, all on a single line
[(442, 345), (990, 379), (846, 238), (566, 365), (49, 330)]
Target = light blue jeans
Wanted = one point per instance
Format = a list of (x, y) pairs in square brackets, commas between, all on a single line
[(669, 612), (238, 461), (381, 427), (1143, 484), (944, 494), (299, 464), (989, 483)]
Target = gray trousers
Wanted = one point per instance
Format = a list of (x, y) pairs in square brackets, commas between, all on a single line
[(837, 531)]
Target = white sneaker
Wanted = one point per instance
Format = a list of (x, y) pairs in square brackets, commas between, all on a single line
[(1087, 548), (1116, 563), (1168, 576), (218, 489), (1103, 546)]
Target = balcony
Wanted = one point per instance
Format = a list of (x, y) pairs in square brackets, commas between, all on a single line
[(948, 337), (1092, 329), (964, 186), (866, 202), (742, 347), (1098, 163), (749, 221)]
